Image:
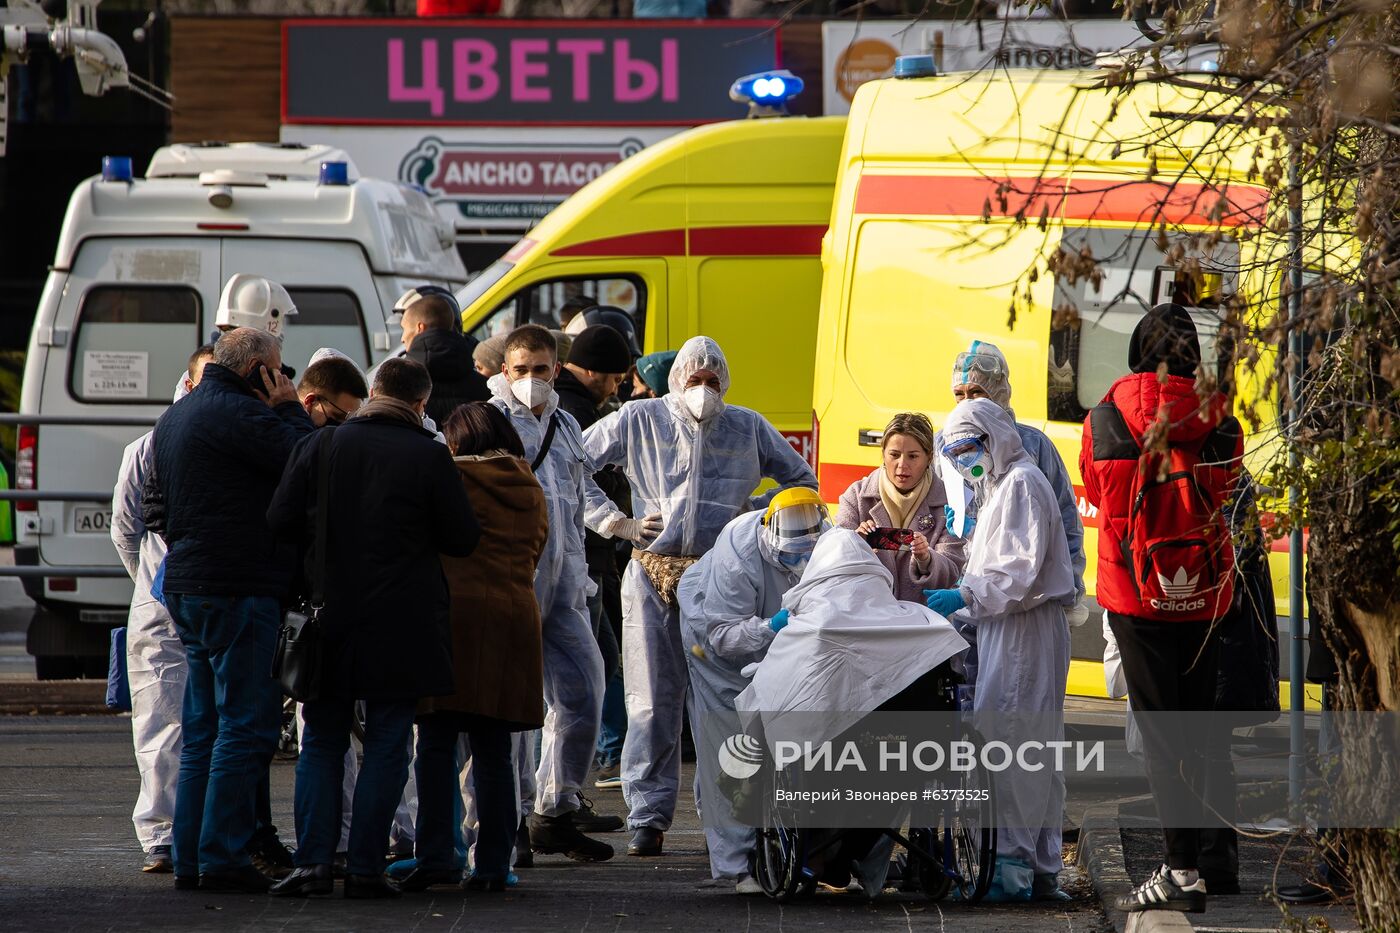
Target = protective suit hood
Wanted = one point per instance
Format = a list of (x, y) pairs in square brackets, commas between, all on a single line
[(696, 354), (998, 386), (840, 560), (979, 416)]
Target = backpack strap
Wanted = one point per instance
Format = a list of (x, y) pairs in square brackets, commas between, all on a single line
[(1112, 438), (546, 443)]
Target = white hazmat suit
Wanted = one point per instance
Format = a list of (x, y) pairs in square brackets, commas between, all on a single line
[(1019, 577), (726, 601), (155, 657), (698, 474), (573, 665)]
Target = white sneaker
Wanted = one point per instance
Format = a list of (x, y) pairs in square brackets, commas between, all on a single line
[(747, 885), (1160, 892)]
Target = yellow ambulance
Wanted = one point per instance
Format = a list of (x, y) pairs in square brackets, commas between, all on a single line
[(714, 231), (923, 254)]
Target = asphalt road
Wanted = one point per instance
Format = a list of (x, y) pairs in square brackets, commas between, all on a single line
[(15, 610), (69, 860)]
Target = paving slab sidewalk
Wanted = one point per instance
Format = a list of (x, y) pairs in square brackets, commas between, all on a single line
[(1120, 845)]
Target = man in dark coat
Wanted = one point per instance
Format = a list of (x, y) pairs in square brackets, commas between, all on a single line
[(429, 338), (395, 503), (597, 363), (218, 456)]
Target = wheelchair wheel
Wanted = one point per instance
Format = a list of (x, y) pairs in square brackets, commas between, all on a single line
[(778, 862), (926, 874), (969, 834)]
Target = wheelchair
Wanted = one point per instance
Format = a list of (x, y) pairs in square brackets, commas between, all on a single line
[(954, 856)]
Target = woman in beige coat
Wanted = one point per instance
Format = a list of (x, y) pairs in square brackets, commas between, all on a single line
[(904, 493), (496, 655)]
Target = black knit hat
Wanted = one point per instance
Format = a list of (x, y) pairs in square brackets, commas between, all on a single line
[(1166, 334), (601, 349)]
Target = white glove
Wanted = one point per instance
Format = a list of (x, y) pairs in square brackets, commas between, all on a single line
[(640, 531), (1077, 614)]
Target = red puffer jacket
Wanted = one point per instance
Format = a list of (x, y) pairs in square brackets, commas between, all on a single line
[(1109, 460)]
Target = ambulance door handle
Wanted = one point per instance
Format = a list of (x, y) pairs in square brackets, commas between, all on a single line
[(869, 438)]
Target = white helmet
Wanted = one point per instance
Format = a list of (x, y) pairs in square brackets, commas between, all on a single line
[(253, 301)]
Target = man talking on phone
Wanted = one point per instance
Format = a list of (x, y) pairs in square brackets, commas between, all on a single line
[(219, 455)]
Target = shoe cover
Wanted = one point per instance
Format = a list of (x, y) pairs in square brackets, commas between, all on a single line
[(1012, 881)]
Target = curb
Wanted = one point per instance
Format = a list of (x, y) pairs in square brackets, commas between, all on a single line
[(1101, 857), (49, 697)]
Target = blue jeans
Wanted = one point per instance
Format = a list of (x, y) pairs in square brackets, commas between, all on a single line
[(439, 809), (321, 769), (613, 729), (232, 718)]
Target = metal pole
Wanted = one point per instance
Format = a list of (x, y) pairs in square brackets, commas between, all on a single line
[(1296, 735)]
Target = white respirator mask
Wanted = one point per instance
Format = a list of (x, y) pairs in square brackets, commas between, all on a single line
[(702, 402), (532, 393)]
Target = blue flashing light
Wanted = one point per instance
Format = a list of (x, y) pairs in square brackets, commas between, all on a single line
[(116, 168), (335, 173), (915, 66), (769, 89)]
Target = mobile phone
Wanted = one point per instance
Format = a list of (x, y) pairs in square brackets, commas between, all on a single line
[(255, 379), (890, 539)]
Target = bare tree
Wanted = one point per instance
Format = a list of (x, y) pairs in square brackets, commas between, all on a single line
[(1298, 98)]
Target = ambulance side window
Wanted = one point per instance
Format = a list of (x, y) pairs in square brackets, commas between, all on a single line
[(541, 302), (326, 317), (1092, 323), (132, 342)]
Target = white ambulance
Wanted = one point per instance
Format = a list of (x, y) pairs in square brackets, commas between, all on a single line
[(132, 292)]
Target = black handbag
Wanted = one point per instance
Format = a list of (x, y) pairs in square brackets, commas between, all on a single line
[(300, 658)]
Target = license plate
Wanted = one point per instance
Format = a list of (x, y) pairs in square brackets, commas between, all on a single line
[(92, 519)]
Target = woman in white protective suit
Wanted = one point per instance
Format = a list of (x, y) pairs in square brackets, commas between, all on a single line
[(731, 609), (1018, 578), (693, 462)]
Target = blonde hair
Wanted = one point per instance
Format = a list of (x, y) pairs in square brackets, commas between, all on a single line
[(911, 424)]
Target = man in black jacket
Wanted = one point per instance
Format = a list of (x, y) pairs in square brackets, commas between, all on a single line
[(218, 457), (597, 363), (394, 503), (429, 338)]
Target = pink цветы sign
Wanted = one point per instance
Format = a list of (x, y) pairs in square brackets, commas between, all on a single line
[(505, 72)]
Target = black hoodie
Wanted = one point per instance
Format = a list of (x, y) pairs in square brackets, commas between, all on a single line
[(448, 357)]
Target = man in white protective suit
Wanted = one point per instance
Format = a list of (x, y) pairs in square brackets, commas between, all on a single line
[(693, 462), (155, 657), (573, 665), (731, 610), (1018, 581)]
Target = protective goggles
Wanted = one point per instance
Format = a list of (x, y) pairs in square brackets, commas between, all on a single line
[(986, 367), (966, 451)]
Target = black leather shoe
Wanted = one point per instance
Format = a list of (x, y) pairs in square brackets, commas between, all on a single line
[(646, 842), (421, 879), (370, 887), (186, 882), (244, 880), (558, 834), (1307, 893), (587, 820), (311, 881)]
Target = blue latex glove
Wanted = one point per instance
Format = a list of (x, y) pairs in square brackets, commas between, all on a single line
[(944, 602), (779, 621), (948, 522)]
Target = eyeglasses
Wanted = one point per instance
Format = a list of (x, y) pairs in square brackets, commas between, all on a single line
[(344, 415)]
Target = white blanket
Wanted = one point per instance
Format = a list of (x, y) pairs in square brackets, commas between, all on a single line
[(849, 646)]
